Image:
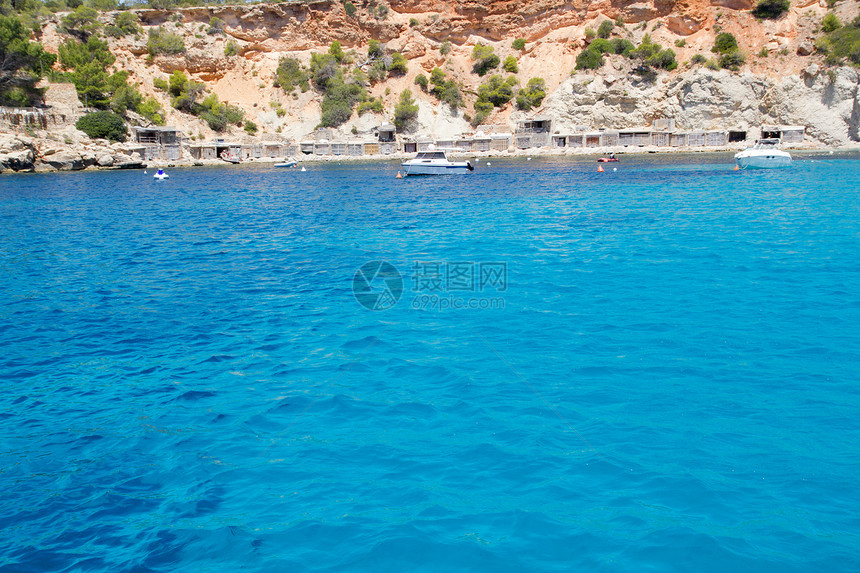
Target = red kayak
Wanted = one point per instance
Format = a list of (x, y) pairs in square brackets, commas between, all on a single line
[(608, 160)]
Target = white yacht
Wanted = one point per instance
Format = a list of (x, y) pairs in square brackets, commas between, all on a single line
[(765, 154), (434, 163)]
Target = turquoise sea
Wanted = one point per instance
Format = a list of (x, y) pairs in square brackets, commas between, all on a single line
[(654, 369)]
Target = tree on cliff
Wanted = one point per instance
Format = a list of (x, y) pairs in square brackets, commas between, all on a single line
[(22, 63), (405, 111)]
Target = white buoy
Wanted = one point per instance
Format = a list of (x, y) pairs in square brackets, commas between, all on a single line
[(529, 159), (303, 169), (831, 153), (488, 163), (614, 169)]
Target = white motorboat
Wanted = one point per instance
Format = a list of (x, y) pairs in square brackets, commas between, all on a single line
[(160, 175), (286, 164), (434, 163), (765, 154), (229, 156)]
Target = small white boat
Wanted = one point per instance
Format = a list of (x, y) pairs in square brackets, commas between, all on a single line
[(765, 154), (286, 164), (160, 175), (434, 163), (229, 156)]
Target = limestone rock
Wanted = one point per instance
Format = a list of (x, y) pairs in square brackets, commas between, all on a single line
[(105, 160), (812, 70), (18, 160), (65, 161), (805, 48), (683, 25)]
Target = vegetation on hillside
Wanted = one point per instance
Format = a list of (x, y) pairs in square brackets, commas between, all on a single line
[(103, 125), (730, 56), (445, 89), (22, 63), (532, 95), (495, 92), (841, 43), (86, 65), (485, 59), (405, 110), (771, 9), (650, 56)]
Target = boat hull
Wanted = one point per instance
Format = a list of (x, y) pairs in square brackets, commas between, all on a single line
[(429, 169), (286, 164), (769, 161)]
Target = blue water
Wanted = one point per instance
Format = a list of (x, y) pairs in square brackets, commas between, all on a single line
[(666, 379)]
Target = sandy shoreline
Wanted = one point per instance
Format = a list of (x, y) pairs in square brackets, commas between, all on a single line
[(548, 151)]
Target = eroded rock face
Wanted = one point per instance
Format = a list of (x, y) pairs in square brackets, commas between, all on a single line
[(66, 161), (829, 105)]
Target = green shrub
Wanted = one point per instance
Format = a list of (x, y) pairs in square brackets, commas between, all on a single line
[(125, 25), (398, 66), (291, 74), (589, 59), (532, 95), (216, 26), (339, 100), (830, 23), (88, 62), (161, 42), (485, 59), (422, 82), (250, 127), (82, 23), (23, 63), (231, 48), (605, 29), (622, 46), (732, 61), (444, 89), (519, 44), (151, 110), (590, 34), (698, 59), (510, 65), (712, 64), (219, 115), (160, 84), (413, 22), (601, 45), (841, 44), (496, 90), (336, 51), (323, 69), (771, 9), (373, 105), (725, 43), (445, 48), (654, 56), (350, 9), (680, 43), (374, 49), (763, 53), (103, 124), (405, 110)]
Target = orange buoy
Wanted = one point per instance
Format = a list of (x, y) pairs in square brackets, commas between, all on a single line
[(399, 176), (737, 168), (600, 168)]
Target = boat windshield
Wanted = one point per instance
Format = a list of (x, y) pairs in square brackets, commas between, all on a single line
[(767, 143), (431, 155)]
